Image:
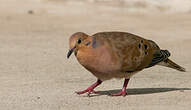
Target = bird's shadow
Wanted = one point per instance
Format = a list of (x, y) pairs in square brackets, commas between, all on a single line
[(140, 91)]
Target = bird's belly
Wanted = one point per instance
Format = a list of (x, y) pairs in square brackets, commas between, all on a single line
[(117, 75), (107, 70), (104, 69), (124, 75), (101, 64)]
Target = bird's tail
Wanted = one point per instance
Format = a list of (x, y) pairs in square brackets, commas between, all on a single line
[(169, 63)]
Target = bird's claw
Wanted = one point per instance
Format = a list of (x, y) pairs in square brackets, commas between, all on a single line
[(87, 91)]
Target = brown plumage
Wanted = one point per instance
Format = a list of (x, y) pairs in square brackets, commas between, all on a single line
[(117, 55)]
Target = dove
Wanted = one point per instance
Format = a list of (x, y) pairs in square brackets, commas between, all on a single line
[(117, 55)]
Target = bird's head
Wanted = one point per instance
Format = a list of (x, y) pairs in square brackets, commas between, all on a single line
[(77, 41)]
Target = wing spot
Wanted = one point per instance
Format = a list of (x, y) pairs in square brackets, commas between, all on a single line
[(141, 41), (146, 47), (139, 45)]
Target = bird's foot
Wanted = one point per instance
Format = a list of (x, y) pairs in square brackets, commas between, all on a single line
[(88, 91), (121, 93)]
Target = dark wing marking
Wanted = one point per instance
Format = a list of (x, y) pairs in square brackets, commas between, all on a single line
[(159, 56)]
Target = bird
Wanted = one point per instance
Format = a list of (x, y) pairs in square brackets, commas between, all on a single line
[(115, 54)]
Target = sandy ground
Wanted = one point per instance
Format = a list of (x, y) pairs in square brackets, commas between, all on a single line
[(36, 75)]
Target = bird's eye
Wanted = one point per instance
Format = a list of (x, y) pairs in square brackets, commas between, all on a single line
[(79, 41)]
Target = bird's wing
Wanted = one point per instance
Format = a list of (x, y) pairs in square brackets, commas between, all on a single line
[(137, 54), (150, 55), (133, 52), (145, 55)]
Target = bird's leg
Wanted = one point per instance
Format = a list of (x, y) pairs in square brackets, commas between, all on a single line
[(90, 89), (123, 91)]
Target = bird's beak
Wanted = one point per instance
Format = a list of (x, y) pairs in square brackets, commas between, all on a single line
[(70, 52)]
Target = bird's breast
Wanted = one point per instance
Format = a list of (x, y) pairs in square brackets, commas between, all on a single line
[(97, 60)]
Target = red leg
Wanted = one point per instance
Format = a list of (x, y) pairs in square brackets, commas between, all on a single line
[(123, 91), (90, 89)]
